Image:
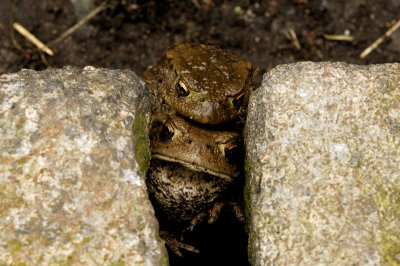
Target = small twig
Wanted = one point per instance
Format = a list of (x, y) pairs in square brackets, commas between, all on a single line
[(345, 38), (89, 16), (291, 35), (30, 37), (41, 46), (196, 4), (44, 60), (380, 40)]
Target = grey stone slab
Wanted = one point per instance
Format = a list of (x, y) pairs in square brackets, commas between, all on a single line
[(74, 150), (323, 165)]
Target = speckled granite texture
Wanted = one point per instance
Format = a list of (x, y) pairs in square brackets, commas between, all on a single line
[(323, 165), (73, 155)]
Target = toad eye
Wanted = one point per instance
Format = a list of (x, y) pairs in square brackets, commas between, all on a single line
[(238, 100), (166, 132), (232, 152), (181, 89)]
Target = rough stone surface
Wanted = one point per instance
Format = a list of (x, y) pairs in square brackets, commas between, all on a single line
[(323, 165), (73, 155)]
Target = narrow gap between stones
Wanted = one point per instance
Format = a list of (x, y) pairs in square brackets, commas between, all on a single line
[(221, 243)]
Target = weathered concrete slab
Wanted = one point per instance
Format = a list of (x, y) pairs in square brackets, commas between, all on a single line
[(73, 155), (323, 161)]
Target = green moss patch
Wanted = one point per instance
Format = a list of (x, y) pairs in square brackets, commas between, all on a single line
[(141, 142)]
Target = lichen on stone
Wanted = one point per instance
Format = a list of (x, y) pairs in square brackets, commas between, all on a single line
[(142, 142)]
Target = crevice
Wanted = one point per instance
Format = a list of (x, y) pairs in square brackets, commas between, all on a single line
[(221, 243)]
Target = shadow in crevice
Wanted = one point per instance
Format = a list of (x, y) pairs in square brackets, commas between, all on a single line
[(221, 243)]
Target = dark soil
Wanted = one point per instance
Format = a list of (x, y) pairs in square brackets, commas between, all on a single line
[(134, 34)]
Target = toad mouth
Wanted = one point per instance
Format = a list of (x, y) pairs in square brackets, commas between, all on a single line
[(192, 166)]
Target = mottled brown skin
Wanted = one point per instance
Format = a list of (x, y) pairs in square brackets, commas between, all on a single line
[(201, 82), (182, 194), (191, 170), (194, 147), (194, 166)]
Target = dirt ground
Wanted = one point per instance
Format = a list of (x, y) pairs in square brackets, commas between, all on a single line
[(133, 34)]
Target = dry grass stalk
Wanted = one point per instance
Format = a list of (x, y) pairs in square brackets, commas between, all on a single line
[(89, 16), (380, 40), (345, 38), (31, 38), (291, 35)]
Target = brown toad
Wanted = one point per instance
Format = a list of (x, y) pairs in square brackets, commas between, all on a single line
[(191, 169), (202, 82), (193, 166)]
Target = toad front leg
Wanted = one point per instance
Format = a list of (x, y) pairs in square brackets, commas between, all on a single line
[(214, 213), (176, 245)]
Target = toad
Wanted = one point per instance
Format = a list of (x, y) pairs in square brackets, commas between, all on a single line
[(191, 169), (201, 82), (194, 89)]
